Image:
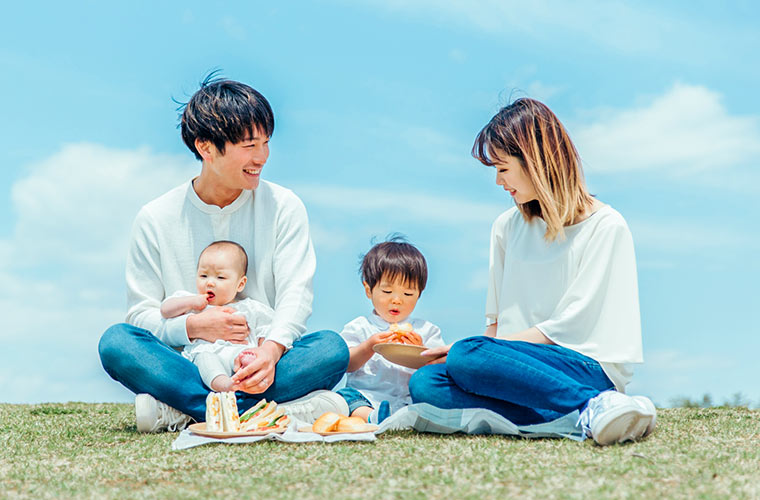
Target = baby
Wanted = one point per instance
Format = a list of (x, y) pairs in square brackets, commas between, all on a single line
[(221, 275), (394, 274)]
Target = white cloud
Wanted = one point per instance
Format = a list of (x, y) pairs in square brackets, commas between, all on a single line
[(65, 259), (78, 204), (687, 129)]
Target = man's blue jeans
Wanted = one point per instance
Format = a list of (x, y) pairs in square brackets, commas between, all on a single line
[(525, 383), (144, 364)]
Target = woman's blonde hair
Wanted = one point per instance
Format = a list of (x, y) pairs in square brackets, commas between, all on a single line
[(528, 130)]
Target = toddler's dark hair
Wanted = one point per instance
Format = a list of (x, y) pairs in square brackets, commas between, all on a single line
[(394, 258)]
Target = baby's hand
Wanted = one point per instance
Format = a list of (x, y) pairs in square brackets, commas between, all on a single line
[(380, 338), (199, 302)]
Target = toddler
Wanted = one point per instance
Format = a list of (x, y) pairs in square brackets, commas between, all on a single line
[(394, 274), (221, 275)]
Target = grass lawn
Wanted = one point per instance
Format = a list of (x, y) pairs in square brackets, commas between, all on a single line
[(79, 450)]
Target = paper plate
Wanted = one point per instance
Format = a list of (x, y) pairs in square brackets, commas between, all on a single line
[(403, 354), (200, 429)]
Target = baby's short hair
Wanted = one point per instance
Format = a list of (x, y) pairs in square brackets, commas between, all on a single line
[(231, 244), (394, 258)]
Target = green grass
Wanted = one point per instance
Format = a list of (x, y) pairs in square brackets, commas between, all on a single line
[(79, 450)]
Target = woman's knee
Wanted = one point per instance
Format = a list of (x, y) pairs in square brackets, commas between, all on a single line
[(460, 360), (422, 383)]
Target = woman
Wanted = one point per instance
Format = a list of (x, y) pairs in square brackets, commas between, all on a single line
[(562, 309)]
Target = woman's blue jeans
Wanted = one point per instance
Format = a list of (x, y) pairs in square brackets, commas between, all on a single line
[(524, 382), (144, 364)]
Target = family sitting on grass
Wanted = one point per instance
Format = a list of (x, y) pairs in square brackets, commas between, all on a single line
[(219, 279)]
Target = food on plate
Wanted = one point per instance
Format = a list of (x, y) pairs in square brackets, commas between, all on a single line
[(328, 422), (351, 424), (333, 422), (222, 412), (404, 334), (264, 416)]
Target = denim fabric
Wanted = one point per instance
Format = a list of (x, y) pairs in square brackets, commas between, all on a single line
[(353, 398), (144, 364), (524, 382)]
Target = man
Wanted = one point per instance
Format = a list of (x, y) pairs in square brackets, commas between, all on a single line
[(227, 125)]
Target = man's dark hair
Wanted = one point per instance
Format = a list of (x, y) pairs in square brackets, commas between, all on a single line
[(231, 244), (224, 111), (393, 259)]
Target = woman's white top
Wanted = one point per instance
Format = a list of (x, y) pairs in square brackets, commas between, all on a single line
[(581, 292), (379, 379)]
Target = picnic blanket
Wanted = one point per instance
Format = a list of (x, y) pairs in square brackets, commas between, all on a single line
[(421, 417)]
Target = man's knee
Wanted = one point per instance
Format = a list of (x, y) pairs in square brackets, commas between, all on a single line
[(332, 343), (112, 345)]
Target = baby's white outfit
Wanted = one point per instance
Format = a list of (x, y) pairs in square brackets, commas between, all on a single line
[(218, 358), (379, 379)]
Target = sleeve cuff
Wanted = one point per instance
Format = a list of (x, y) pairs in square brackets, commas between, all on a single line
[(174, 331), (282, 337)]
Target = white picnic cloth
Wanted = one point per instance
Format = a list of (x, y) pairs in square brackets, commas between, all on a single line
[(421, 417)]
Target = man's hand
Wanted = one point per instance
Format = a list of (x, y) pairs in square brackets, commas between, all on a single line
[(257, 375), (437, 354), (218, 323)]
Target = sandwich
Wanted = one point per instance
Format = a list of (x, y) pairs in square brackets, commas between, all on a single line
[(264, 416), (222, 412), (404, 334)]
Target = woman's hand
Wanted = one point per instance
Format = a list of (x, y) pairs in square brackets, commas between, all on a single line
[(439, 354), (218, 323), (257, 376)]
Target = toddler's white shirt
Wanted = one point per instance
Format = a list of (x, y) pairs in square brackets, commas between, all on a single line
[(379, 379)]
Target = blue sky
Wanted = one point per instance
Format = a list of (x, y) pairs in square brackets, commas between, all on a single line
[(377, 105)]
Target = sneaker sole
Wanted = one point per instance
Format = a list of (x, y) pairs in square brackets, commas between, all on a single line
[(625, 424)]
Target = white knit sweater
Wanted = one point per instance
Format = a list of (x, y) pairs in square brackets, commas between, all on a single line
[(170, 232)]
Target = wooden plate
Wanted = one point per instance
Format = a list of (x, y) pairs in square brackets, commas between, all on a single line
[(403, 354), (367, 428), (200, 429)]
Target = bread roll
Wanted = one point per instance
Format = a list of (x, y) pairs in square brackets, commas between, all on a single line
[(327, 422), (351, 424)]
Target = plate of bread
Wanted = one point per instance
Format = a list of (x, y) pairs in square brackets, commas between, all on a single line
[(333, 423), (223, 420), (404, 347)]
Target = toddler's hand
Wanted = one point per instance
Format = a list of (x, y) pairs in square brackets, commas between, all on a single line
[(380, 338)]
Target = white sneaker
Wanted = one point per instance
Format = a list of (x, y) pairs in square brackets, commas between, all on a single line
[(612, 417), (315, 404), (154, 416), (647, 404)]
